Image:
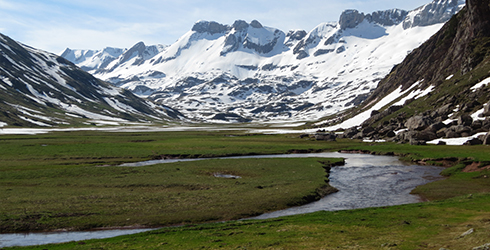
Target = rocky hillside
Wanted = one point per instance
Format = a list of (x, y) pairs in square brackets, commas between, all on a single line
[(247, 71), (42, 89), (439, 91)]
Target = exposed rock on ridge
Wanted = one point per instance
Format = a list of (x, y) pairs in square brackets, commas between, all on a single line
[(450, 63)]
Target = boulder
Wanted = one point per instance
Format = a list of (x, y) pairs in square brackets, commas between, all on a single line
[(436, 127), (464, 131), (417, 142), (465, 120), (367, 131), (474, 141), (486, 139), (325, 136), (351, 132), (418, 122), (486, 110), (443, 111), (477, 124)]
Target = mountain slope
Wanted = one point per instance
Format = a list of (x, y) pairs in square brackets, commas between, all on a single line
[(248, 71), (41, 89), (440, 90)]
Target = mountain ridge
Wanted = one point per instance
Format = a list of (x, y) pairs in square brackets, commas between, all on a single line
[(38, 88), (439, 92), (258, 73)]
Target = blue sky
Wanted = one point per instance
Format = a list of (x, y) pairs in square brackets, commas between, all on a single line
[(54, 25)]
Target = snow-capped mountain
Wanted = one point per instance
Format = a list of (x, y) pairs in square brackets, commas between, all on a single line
[(38, 88), (439, 94), (248, 71)]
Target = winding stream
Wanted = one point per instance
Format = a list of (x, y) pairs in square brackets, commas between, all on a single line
[(364, 181)]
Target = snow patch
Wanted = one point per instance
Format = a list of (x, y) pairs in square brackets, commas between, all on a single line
[(456, 141), (480, 84)]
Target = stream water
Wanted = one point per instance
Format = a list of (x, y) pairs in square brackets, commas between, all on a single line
[(364, 181)]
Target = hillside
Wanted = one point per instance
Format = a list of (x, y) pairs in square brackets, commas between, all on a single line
[(250, 72), (439, 91), (42, 89)]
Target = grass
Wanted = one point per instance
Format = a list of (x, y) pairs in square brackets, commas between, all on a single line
[(430, 225), (72, 149), (57, 181), (160, 195)]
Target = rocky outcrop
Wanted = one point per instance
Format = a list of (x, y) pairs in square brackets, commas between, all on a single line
[(239, 37), (388, 17), (209, 27), (432, 13), (350, 19), (459, 47)]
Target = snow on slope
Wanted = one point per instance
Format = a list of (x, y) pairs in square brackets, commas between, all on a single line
[(38, 88), (247, 71)]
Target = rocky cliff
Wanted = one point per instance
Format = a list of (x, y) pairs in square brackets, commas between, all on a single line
[(441, 89)]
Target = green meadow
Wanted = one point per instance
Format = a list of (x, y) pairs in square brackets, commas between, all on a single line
[(71, 180)]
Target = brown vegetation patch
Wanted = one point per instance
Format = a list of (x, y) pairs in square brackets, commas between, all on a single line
[(474, 167)]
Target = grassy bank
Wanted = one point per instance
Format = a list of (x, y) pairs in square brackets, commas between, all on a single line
[(432, 225), (69, 180), (166, 194)]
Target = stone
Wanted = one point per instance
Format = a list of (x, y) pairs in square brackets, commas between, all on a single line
[(483, 247), (486, 139), (436, 127), (325, 136), (452, 134), (477, 124), (390, 134), (418, 122), (474, 141), (367, 131), (443, 111), (417, 142), (470, 231), (465, 120), (351, 132), (486, 109)]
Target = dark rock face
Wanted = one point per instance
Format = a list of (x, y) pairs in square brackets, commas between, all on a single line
[(296, 35), (209, 27), (460, 46), (256, 24), (240, 25), (350, 19), (388, 17)]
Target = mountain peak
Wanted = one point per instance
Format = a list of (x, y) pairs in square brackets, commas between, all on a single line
[(209, 27)]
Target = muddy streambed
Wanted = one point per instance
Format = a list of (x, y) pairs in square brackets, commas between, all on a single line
[(364, 181)]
